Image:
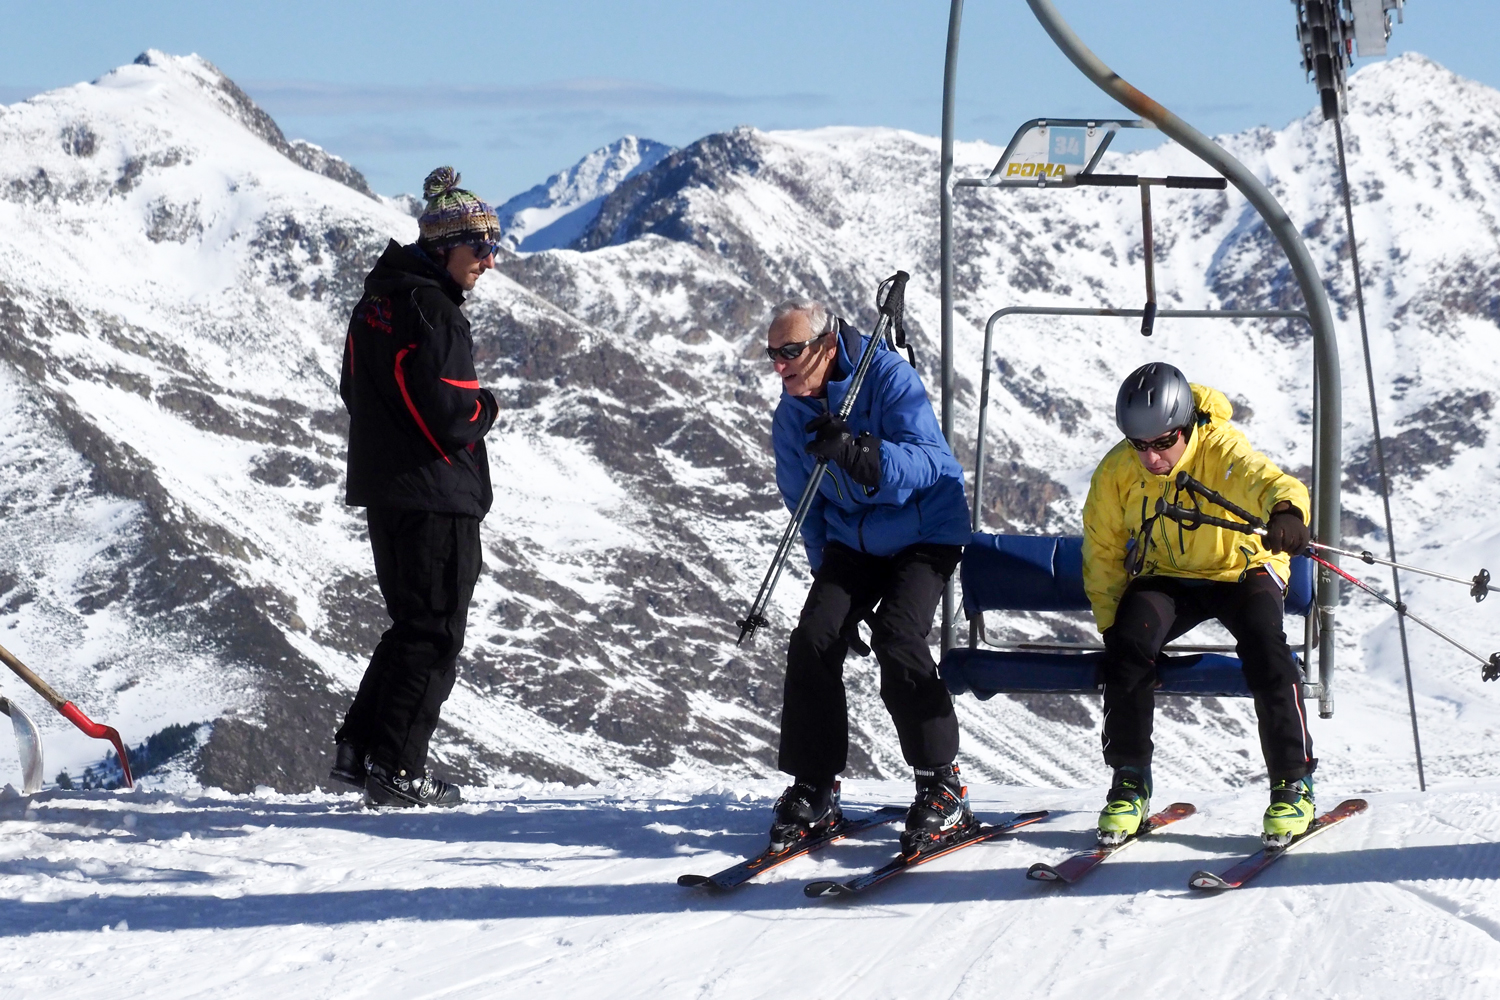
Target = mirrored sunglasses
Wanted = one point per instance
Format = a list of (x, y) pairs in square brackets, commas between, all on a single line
[(793, 351), (483, 247), (1162, 443)]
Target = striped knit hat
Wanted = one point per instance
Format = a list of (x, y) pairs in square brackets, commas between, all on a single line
[(453, 215)]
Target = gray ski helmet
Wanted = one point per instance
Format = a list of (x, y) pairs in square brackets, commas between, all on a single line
[(1154, 400)]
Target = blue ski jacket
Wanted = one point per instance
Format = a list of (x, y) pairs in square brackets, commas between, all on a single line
[(921, 492)]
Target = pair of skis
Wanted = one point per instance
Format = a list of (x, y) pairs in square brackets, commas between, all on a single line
[(749, 868), (1081, 864), (1068, 871)]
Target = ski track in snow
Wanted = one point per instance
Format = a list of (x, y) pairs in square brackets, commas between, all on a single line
[(544, 890)]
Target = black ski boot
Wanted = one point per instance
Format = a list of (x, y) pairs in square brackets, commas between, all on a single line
[(940, 812), (348, 765), (804, 810), (386, 788)]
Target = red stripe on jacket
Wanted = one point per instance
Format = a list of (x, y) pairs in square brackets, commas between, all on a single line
[(463, 385), (422, 424)]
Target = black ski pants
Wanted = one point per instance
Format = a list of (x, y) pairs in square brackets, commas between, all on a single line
[(1153, 611), (903, 590), (427, 565)]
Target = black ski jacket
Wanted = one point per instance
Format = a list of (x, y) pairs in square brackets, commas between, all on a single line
[(417, 416)]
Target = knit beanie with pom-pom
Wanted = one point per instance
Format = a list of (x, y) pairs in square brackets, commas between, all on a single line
[(453, 215)]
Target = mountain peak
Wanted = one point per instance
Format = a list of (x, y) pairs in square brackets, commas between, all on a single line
[(195, 71), (555, 212), (1413, 84)]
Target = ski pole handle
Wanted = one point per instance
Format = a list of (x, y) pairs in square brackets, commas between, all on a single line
[(1191, 519), (892, 309), (1187, 482), (38, 685)]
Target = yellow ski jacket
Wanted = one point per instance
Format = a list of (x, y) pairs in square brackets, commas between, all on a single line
[(1122, 502)]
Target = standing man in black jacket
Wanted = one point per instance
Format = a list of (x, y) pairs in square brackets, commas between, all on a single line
[(417, 420)]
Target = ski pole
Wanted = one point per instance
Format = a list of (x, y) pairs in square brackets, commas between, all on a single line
[(1194, 518), (70, 711), (1187, 482), (1191, 518), (1479, 584), (1491, 666), (891, 306)]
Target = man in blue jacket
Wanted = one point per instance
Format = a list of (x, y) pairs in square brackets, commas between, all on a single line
[(884, 534)]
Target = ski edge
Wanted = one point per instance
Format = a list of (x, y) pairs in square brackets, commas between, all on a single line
[(750, 869), (1266, 856), (827, 887), (1043, 872)]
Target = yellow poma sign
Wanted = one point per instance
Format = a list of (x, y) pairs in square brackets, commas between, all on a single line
[(1024, 170)]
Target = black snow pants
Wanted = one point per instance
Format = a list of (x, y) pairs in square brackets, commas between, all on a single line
[(904, 590), (1153, 611), (427, 565)]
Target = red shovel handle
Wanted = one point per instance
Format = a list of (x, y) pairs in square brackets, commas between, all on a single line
[(73, 714)]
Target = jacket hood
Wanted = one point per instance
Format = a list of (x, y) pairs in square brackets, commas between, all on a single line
[(401, 269), (1211, 403)]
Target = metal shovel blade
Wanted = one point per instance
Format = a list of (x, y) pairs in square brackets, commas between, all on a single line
[(28, 746)]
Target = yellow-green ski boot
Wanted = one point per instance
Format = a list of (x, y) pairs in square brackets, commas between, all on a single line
[(1290, 813), (1129, 805)]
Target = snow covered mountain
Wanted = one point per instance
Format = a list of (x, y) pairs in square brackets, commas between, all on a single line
[(556, 211), (176, 275)]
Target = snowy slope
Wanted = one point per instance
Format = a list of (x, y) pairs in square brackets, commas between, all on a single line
[(541, 891), (173, 489)]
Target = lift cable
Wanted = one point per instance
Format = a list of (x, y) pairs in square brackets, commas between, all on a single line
[(1385, 483)]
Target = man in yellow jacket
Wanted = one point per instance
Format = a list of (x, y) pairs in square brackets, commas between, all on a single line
[(1150, 581)]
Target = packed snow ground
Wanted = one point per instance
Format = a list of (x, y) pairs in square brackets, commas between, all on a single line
[(547, 891)]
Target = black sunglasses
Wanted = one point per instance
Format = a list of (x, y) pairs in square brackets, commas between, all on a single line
[(483, 247), (793, 351), (1162, 443)]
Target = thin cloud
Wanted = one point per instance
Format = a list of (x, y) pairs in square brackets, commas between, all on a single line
[(300, 98), (377, 139)]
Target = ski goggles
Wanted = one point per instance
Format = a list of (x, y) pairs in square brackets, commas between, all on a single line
[(793, 351), (1162, 443)]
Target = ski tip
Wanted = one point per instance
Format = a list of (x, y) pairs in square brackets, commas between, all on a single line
[(1041, 872), (817, 890), (1029, 817), (1180, 809), (1353, 806), (1208, 880), (689, 881)]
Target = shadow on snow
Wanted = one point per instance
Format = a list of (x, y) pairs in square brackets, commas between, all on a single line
[(928, 885)]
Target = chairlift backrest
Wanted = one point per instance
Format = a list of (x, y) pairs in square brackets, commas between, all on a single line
[(1045, 573)]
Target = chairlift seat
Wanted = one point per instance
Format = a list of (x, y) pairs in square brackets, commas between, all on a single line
[(1045, 573)]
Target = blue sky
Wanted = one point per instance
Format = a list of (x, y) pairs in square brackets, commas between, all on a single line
[(510, 92)]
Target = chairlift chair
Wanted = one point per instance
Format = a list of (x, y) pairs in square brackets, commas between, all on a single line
[(1005, 572)]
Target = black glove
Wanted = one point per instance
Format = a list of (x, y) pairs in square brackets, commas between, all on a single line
[(858, 456), (1285, 532)]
